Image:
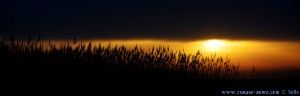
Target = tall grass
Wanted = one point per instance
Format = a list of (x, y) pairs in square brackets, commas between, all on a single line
[(117, 60)]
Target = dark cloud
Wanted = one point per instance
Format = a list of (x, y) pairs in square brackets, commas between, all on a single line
[(151, 19)]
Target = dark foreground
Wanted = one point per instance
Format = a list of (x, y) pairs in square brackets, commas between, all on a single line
[(85, 80)]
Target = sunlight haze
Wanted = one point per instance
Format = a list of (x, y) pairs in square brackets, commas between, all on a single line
[(261, 54)]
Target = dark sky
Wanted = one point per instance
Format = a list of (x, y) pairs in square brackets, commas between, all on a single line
[(153, 19)]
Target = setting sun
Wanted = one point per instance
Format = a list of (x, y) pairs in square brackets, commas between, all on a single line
[(214, 45)]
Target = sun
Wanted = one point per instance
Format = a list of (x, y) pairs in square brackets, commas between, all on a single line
[(214, 45)]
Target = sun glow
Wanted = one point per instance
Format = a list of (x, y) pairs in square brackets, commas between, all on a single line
[(264, 55), (214, 45)]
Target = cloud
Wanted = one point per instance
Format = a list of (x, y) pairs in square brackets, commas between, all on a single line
[(168, 20)]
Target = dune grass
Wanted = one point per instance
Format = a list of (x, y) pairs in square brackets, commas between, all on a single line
[(115, 61)]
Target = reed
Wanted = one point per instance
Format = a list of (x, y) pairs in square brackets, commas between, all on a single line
[(118, 59)]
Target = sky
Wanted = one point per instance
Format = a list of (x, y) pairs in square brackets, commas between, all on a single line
[(182, 20)]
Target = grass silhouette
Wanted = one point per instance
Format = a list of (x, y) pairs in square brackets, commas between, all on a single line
[(107, 62)]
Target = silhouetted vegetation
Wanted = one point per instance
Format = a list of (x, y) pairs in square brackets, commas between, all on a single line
[(112, 62)]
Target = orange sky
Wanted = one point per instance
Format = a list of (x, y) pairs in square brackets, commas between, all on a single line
[(264, 55)]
